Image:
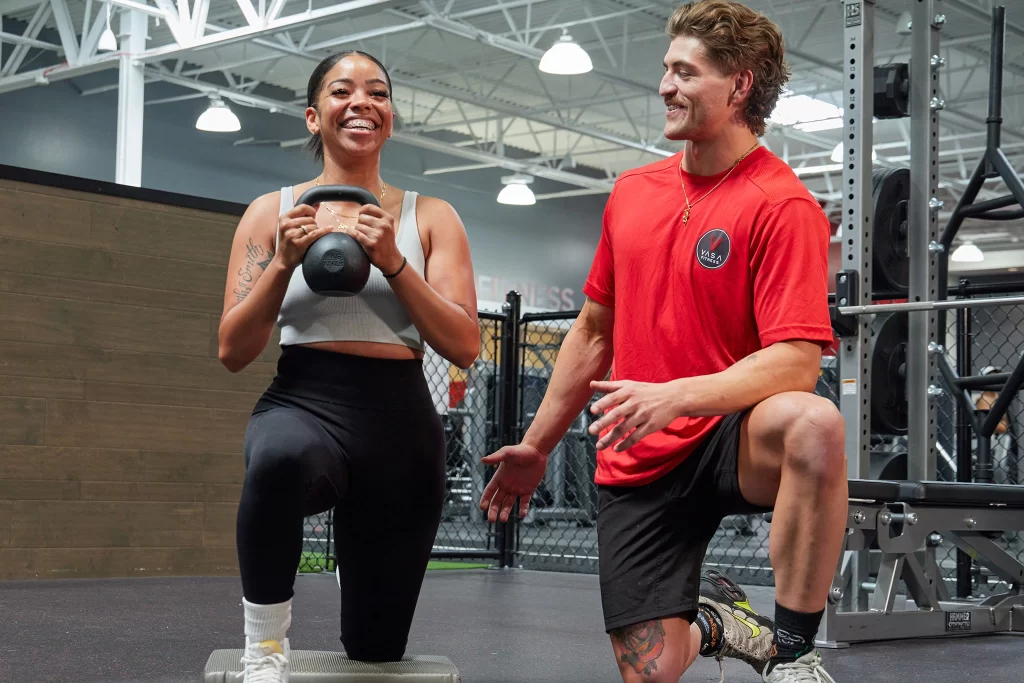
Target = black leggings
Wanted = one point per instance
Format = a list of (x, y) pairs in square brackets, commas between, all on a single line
[(360, 435)]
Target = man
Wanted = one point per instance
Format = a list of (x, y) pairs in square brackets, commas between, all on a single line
[(707, 299)]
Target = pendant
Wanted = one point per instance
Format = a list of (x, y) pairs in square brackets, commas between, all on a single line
[(686, 215)]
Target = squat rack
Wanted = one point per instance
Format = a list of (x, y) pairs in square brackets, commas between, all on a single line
[(883, 516), (854, 281)]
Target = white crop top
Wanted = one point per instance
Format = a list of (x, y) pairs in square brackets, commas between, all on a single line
[(373, 315)]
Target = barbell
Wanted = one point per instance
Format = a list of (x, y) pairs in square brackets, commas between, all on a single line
[(890, 274), (906, 306), (890, 336)]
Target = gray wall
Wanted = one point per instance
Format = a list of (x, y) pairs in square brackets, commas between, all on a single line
[(54, 128)]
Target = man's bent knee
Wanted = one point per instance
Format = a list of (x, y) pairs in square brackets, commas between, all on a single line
[(651, 651), (815, 437)]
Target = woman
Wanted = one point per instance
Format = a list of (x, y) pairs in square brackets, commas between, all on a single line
[(348, 422)]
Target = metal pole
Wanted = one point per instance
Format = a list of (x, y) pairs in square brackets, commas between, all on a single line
[(964, 363), (855, 350), (931, 305), (508, 411), (855, 280), (925, 102), (987, 288), (995, 78), (131, 90)]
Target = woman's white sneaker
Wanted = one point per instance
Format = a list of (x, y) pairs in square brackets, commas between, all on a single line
[(266, 661)]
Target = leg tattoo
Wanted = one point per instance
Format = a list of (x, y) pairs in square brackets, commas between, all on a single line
[(641, 645)]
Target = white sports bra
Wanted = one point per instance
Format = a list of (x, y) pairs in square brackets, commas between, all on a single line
[(373, 315)]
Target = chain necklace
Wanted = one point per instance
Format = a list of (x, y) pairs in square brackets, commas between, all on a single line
[(337, 217), (686, 213)]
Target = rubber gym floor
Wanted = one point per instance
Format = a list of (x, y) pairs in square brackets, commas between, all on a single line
[(498, 626)]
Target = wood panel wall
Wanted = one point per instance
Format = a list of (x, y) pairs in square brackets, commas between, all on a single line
[(120, 431)]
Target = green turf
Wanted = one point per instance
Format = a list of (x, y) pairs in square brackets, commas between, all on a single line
[(442, 564), (316, 562)]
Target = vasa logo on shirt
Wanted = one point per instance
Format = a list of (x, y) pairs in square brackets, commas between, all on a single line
[(713, 248)]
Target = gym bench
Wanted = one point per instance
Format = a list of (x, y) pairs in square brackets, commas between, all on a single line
[(900, 524)]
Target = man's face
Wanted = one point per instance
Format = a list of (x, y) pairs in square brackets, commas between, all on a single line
[(696, 94)]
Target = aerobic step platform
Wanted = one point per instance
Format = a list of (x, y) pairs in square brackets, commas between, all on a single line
[(314, 666)]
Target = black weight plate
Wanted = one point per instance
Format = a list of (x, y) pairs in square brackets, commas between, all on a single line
[(888, 374), (890, 192)]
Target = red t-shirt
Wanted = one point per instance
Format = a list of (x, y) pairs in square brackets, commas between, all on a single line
[(749, 269)]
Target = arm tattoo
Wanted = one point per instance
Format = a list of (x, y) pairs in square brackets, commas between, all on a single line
[(641, 645), (256, 255)]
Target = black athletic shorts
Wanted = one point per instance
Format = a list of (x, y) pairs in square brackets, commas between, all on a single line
[(652, 538)]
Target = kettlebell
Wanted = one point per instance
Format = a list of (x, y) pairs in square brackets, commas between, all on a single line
[(336, 265)]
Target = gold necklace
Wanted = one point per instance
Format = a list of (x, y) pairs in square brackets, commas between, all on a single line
[(337, 218), (686, 213)]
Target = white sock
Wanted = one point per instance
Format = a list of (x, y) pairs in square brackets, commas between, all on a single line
[(267, 622)]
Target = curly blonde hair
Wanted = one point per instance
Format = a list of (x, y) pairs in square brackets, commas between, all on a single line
[(735, 38)]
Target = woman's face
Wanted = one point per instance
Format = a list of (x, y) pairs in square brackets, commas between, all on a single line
[(353, 112)]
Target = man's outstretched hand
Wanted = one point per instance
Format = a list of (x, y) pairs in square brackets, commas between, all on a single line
[(520, 469)]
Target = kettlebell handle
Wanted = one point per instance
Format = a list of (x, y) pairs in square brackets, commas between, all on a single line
[(337, 193)]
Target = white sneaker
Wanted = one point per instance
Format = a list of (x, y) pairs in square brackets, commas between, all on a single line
[(266, 662), (807, 669)]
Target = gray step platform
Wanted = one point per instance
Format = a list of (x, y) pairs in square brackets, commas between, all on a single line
[(314, 666)]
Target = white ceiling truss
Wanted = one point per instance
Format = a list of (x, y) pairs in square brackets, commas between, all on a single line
[(467, 83)]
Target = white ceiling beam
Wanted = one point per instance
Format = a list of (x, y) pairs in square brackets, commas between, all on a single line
[(413, 25), (589, 20), (14, 39), (458, 169), (184, 13), (139, 7), (461, 96), (226, 37), (35, 25), (534, 54), (10, 7), (249, 12), (178, 20), (200, 10), (529, 167), (274, 11), (522, 166), (984, 16), (530, 115), (246, 33)]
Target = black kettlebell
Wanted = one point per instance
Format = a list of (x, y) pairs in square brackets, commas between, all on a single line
[(336, 265)]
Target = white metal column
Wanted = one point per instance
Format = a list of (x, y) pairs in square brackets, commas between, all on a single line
[(131, 92)]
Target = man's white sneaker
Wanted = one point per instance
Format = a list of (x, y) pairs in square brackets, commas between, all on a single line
[(266, 661), (807, 669)]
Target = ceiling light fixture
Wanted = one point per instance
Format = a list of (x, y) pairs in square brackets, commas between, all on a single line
[(218, 118), (108, 42), (967, 253), (566, 58), (516, 191)]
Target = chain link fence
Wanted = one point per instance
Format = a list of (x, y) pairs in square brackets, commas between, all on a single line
[(981, 341), (481, 411), (559, 532), (469, 404)]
